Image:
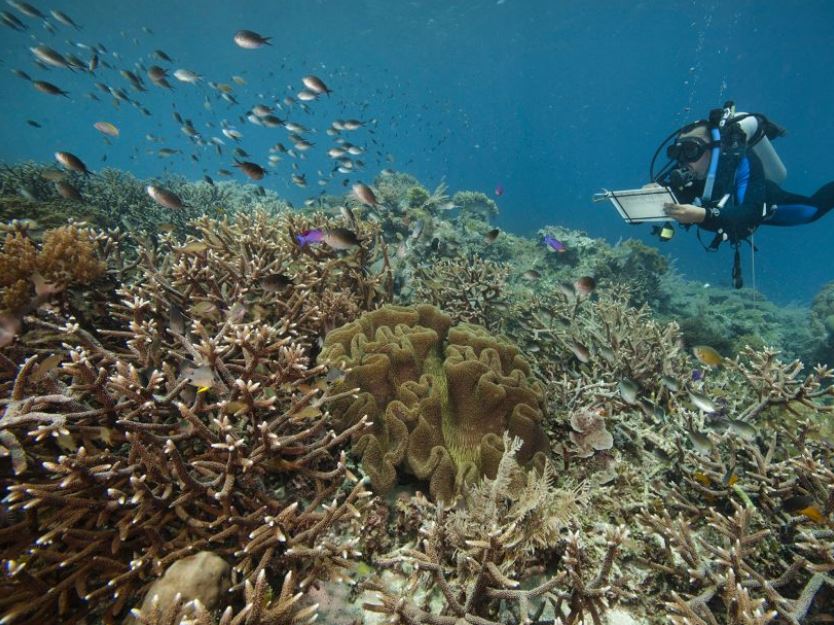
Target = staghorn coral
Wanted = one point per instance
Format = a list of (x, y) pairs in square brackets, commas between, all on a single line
[(439, 397), (587, 349), (470, 290), (727, 544), (261, 608), (27, 179), (189, 416), (477, 559)]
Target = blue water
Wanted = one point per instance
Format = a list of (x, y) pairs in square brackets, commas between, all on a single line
[(551, 100)]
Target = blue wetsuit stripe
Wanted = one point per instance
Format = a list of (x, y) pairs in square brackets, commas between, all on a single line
[(792, 215), (742, 178), (793, 209)]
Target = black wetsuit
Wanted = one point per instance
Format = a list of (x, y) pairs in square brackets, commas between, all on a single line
[(754, 200)]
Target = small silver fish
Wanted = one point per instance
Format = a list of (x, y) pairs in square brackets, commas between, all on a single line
[(202, 377), (701, 441), (48, 88), (67, 191), (64, 19), (250, 40), (164, 197), (49, 56), (702, 402), (72, 162), (742, 429), (315, 84), (628, 390), (670, 383), (340, 238), (581, 352), (365, 194)]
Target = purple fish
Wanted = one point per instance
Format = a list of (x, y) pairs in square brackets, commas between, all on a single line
[(555, 244), (697, 374), (309, 236)]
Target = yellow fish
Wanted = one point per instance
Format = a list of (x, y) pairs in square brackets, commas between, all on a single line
[(706, 355), (813, 513), (702, 478)]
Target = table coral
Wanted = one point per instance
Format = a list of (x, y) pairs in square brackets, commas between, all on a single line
[(440, 397)]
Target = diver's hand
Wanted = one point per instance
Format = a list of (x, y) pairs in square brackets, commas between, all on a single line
[(685, 213)]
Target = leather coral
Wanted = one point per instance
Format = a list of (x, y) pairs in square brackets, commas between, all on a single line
[(440, 397)]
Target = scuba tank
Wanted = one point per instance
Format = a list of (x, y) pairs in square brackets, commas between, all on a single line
[(753, 124)]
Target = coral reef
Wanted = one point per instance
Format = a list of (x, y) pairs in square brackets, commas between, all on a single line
[(729, 320), (68, 256), (475, 205), (477, 559), (161, 399), (739, 537), (440, 397), (189, 417), (113, 198), (822, 315), (470, 290)]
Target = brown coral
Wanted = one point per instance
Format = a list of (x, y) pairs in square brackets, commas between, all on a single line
[(440, 397), (68, 256), (469, 289), (122, 467), (18, 258)]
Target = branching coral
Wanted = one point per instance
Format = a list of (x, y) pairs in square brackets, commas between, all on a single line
[(190, 417), (470, 290), (439, 396), (609, 367), (742, 542), (477, 557)]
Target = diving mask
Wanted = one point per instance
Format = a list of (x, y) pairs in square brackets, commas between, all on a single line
[(689, 149)]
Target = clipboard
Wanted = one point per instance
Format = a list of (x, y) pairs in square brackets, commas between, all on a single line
[(637, 206)]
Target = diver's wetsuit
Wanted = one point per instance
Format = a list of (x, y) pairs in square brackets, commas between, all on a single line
[(757, 201)]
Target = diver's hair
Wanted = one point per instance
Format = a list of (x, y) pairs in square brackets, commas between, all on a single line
[(701, 131)]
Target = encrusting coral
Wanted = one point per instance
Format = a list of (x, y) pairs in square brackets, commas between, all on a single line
[(439, 396)]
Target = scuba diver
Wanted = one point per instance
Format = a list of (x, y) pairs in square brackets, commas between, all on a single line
[(725, 176)]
